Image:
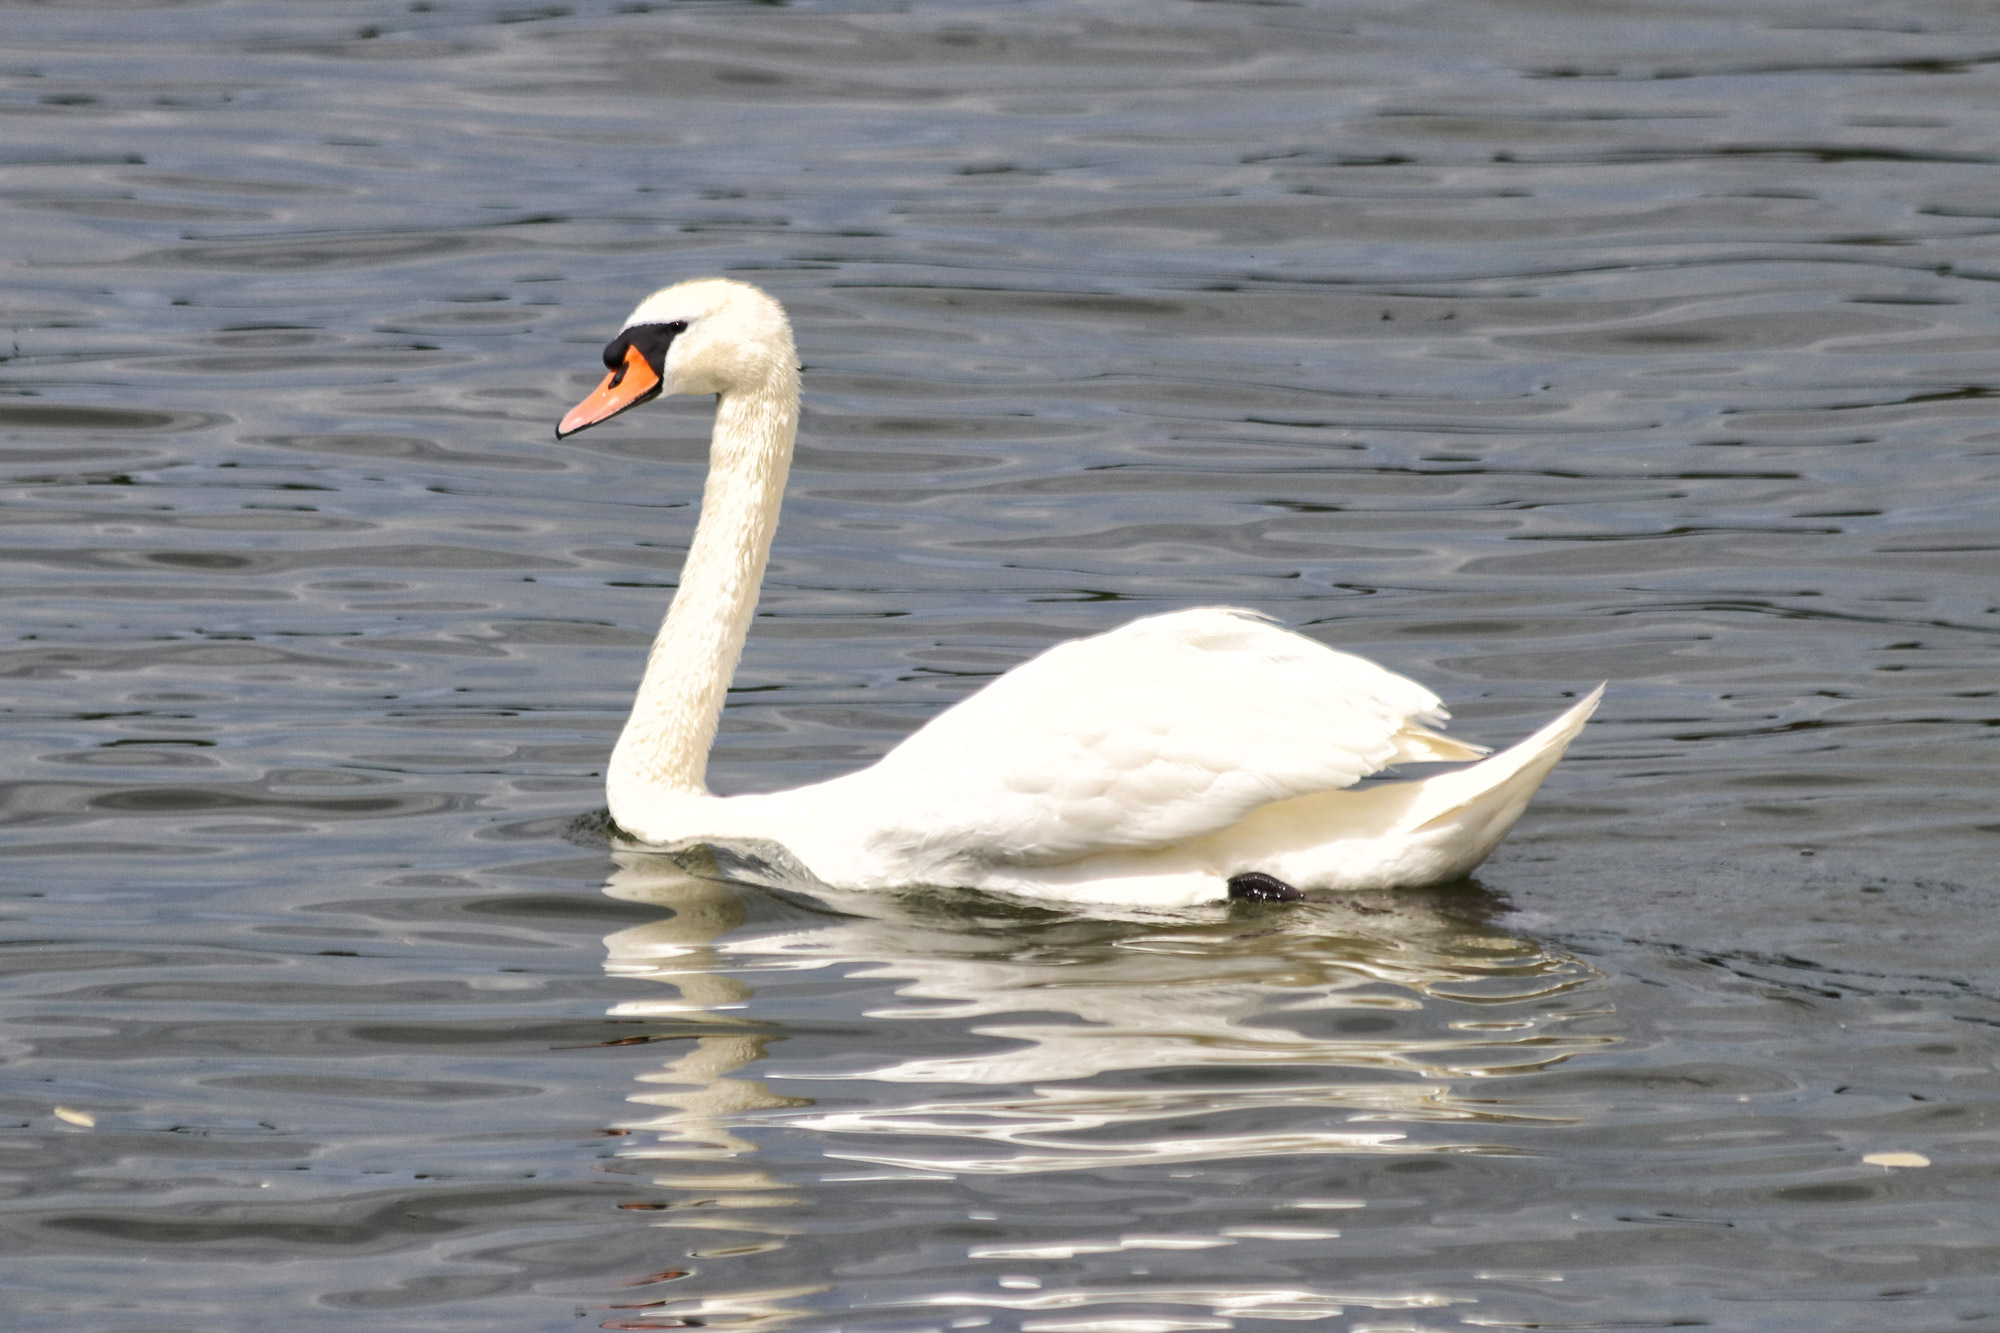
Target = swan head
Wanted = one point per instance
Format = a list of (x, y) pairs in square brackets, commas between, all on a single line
[(710, 335)]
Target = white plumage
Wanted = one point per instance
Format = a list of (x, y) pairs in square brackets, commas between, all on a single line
[(1145, 766), (1170, 728)]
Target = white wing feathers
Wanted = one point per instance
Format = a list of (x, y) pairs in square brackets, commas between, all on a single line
[(1167, 729)]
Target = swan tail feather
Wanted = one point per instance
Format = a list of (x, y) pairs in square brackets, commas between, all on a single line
[(1493, 792), (1421, 745)]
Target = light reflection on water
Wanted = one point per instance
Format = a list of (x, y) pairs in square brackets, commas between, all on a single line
[(1169, 1040)]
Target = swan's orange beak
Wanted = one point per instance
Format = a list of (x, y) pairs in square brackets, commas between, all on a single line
[(628, 386)]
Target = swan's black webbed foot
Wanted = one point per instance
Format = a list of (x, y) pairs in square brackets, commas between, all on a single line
[(1256, 887)]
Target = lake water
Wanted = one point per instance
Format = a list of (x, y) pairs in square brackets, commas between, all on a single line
[(1518, 345)]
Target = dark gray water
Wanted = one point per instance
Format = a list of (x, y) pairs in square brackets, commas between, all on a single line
[(1518, 345)]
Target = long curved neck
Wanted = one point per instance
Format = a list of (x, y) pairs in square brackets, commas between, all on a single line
[(664, 747)]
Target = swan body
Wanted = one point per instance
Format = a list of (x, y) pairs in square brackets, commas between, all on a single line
[(1144, 767)]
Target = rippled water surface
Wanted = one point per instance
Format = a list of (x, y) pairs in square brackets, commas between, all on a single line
[(1519, 345)]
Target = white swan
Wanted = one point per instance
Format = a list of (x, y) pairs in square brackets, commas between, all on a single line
[(1183, 758)]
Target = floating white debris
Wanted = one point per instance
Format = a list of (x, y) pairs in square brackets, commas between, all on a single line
[(83, 1118), (1896, 1159)]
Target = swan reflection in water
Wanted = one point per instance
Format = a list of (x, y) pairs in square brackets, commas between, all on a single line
[(954, 1037)]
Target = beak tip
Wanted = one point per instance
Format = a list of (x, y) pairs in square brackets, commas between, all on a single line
[(638, 382)]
